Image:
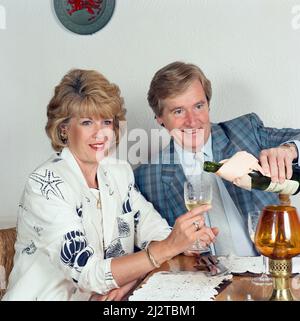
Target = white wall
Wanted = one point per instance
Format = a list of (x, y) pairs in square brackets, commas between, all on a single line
[(249, 49)]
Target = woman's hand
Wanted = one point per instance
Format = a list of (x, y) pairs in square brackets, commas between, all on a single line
[(203, 244), (188, 228), (115, 294)]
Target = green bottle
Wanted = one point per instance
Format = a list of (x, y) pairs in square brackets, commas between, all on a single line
[(264, 183)]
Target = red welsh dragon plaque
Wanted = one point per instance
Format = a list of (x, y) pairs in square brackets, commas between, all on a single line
[(84, 17)]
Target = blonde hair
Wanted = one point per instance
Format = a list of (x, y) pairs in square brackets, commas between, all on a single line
[(172, 80), (83, 93)]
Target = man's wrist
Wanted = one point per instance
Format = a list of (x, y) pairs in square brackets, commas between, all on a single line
[(293, 148)]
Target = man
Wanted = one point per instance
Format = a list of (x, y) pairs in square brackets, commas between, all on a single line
[(180, 97)]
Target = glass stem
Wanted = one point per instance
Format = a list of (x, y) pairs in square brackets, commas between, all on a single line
[(265, 268)]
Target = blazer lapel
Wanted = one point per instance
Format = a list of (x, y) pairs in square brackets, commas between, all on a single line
[(91, 215), (109, 201), (224, 148), (69, 158), (173, 178)]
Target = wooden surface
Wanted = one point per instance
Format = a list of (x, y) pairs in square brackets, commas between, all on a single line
[(7, 251), (236, 290)]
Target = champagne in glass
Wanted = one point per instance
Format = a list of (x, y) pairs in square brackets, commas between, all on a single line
[(191, 205)]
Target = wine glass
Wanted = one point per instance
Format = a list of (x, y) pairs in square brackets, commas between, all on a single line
[(263, 279), (197, 191)]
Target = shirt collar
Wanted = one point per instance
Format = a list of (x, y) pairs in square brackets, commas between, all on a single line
[(187, 157)]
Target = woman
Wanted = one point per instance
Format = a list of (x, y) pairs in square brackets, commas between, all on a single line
[(81, 215)]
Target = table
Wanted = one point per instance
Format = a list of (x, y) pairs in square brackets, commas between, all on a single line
[(237, 289)]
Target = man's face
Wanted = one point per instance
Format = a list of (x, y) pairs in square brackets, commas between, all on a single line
[(186, 117)]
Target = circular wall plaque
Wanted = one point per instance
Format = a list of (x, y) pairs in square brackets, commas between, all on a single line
[(84, 17)]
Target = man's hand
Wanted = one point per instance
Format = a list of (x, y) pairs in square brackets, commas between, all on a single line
[(277, 162)]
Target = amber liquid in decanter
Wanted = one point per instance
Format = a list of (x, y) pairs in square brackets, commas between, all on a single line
[(274, 235)]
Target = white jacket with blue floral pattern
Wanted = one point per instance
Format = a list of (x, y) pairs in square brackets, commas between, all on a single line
[(65, 243)]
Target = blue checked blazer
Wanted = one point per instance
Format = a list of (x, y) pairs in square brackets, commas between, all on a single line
[(162, 184)]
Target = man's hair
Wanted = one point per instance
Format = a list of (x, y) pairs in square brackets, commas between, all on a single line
[(83, 93), (172, 80)]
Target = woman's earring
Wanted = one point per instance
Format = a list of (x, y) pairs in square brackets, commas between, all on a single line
[(64, 137)]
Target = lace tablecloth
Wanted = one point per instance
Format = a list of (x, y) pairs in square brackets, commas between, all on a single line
[(196, 286), (179, 286), (253, 264)]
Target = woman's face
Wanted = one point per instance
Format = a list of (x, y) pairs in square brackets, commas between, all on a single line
[(89, 139)]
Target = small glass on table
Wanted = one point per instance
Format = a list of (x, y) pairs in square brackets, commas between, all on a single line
[(263, 279)]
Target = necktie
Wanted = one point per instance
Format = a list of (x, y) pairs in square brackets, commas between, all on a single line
[(217, 218)]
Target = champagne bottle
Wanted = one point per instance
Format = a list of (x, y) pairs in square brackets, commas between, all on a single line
[(264, 183)]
